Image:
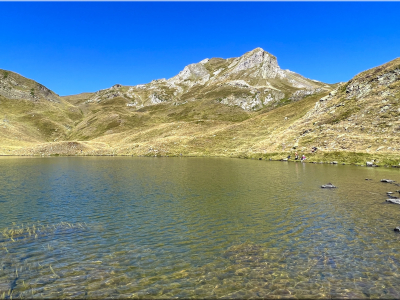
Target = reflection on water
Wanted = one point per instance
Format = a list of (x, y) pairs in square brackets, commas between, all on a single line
[(195, 227)]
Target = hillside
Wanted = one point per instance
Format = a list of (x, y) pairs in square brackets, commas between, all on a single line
[(237, 107), (31, 114)]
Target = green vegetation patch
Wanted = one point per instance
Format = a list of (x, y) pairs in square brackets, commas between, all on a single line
[(283, 102)]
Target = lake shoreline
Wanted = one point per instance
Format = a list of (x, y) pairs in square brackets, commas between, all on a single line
[(321, 157)]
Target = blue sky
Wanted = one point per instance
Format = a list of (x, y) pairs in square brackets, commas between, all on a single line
[(74, 47)]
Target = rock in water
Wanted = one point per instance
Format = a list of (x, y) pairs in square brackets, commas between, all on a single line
[(328, 186), (397, 228), (387, 180), (395, 201)]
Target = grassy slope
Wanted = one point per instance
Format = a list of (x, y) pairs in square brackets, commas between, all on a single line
[(26, 123), (202, 128)]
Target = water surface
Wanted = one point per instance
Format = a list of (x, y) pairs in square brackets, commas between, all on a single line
[(195, 227)]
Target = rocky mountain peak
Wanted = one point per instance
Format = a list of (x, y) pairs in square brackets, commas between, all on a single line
[(258, 52), (266, 63)]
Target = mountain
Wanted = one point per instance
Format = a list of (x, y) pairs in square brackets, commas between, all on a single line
[(251, 82), (236, 107)]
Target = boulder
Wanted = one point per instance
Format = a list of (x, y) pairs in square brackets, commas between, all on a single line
[(328, 186), (387, 180), (395, 201)]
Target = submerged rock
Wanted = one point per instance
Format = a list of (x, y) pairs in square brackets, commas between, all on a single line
[(328, 186), (245, 254)]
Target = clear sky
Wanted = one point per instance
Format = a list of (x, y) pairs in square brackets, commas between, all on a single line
[(75, 47)]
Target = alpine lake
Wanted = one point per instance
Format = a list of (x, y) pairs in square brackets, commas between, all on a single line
[(135, 227)]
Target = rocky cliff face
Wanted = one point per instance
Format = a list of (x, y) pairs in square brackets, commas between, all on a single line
[(251, 82), (15, 86)]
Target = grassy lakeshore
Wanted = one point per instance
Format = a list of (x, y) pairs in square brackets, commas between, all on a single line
[(333, 157), (348, 158)]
